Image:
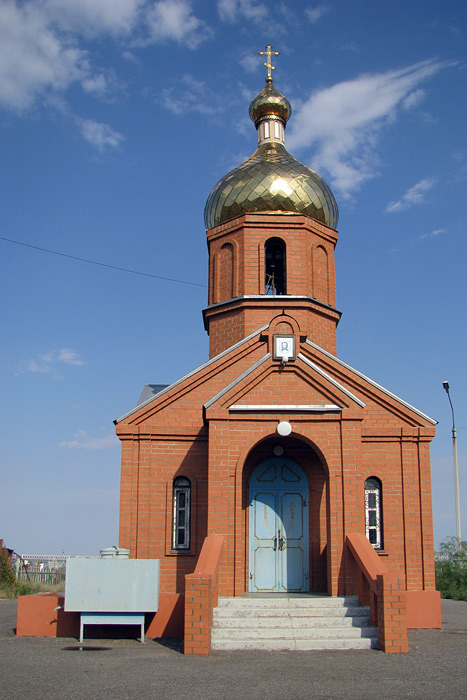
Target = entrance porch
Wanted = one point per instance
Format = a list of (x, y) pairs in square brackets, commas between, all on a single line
[(292, 622)]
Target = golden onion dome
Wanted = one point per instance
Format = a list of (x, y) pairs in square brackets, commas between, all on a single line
[(271, 180), (270, 102)]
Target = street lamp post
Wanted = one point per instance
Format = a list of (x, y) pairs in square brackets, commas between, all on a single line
[(456, 470)]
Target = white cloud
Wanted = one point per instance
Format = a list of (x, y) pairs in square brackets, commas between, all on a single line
[(231, 10), (414, 195), (342, 123), (92, 17), (41, 42), (191, 96), (461, 172), (251, 62), (174, 20), (50, 362), (434, 234), (69, 357), (33, 59), (414, 98), (41, 366), (83, 441), (314, 14), (99, 135), (95, 84), (228, 10)]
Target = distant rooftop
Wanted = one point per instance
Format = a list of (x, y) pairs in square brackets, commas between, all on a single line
[(149, 391)]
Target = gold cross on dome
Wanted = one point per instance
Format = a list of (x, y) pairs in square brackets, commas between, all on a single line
[(269, 52)]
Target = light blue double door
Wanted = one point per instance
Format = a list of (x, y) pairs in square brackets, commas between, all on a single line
[(278, 527)]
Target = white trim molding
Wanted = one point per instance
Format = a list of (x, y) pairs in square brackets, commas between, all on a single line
[(288, 408)]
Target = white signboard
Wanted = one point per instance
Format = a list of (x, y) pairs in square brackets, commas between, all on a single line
[(112, 585)]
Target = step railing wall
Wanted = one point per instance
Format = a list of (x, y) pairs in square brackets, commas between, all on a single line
[(201, 596), (383, 591)]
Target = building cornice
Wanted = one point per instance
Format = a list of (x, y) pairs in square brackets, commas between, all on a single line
[(279, 301)]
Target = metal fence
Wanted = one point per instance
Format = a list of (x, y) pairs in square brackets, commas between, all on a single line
[(49, 577)]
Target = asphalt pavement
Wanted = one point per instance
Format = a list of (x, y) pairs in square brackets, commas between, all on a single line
[(124, 669)]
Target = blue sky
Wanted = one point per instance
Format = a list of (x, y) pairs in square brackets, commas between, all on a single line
[(117, 117)]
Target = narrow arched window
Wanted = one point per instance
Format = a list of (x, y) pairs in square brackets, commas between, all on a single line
[(226, 272), (321, 274), (181, 513), (373, 512), (274, 266)]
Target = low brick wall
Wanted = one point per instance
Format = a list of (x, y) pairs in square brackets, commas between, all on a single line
[(201, 594), (392, 614), (42, 615), (384, 592)]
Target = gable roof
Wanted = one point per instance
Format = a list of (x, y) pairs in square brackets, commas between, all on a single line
[(331, 379), (354, 371), (149, 392), (194, 372), (247, 367)]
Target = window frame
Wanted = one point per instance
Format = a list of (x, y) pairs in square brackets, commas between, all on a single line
[(181, 487), (374, 512)]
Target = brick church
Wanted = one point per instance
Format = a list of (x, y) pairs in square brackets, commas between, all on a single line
[(275, 468)]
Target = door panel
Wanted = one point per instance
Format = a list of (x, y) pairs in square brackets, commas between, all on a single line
[(278, 527), (293, 534), (289, 474), (265, 515), (265, 569), (293, 569), (264, 542), (268, 474), (292, 515)]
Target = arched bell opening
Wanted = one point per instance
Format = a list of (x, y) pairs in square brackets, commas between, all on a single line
[(285, 509), (275, 267)]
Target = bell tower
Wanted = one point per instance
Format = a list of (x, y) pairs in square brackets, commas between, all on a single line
[(271, 232)]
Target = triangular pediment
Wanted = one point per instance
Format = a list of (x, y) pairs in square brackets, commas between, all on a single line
[(297, 387), (247, 378), (195, 388), (381, 404)]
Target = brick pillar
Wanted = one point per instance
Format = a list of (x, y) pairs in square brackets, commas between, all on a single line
[(201, 591), (392, 616), (429, 582), (198, 613), (412, 515)]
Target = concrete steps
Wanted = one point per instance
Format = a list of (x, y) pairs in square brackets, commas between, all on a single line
[(292, 623)]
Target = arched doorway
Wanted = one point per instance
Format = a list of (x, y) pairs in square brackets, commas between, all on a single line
[(278, 527)]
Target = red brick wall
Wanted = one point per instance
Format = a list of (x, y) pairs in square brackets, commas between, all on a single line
[(230, 323), (236, 269), (337, 462), (149, 466), (217, 449)]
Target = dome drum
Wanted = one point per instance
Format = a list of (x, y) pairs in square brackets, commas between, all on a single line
[(269, 118)]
